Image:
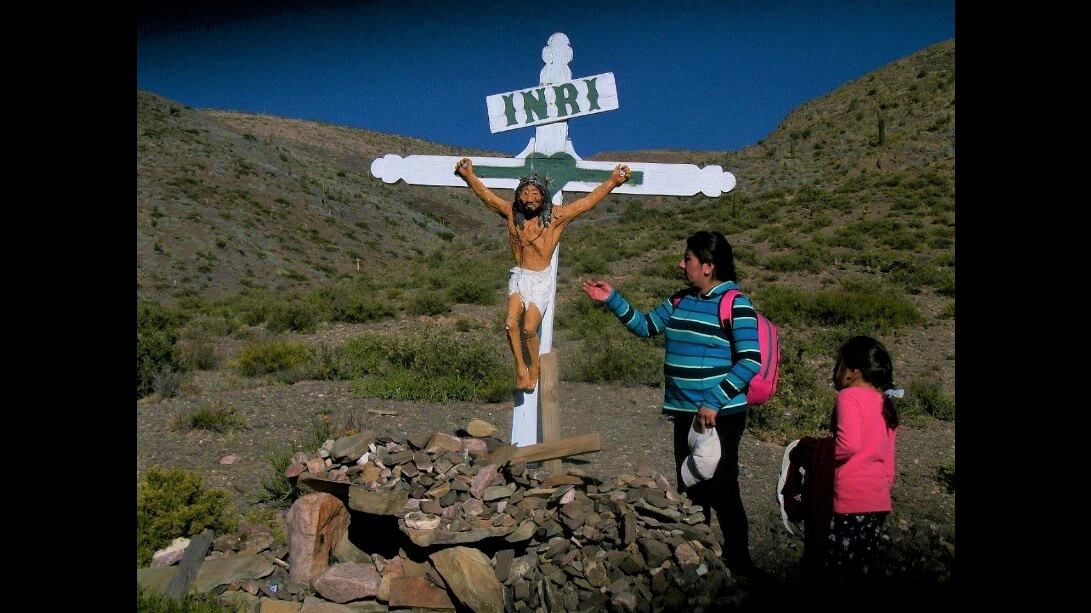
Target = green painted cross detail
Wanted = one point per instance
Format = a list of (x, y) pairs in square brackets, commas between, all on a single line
[(559, 168)]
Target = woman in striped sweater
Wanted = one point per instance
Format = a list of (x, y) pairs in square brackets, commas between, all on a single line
[(707, 368)]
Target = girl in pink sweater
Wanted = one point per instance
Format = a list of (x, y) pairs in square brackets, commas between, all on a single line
[(864, 427)]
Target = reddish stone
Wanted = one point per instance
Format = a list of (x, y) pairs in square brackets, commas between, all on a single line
[(316, 522), (417, 592)]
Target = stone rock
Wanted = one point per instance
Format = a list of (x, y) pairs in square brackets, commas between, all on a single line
[(274, 605), (317, 605), (470, 577), (381, 502), (224, 542), (504, 558), (409, 568), (171, 554), (496, 492), (595, 571), (522, 533), (443, 441), (477, 447), (257, 543), (228, 460), (473, 507), (633, 564), (421, 521), (556, 480), (480, 428), (481, 480), (294, 470), (240, 602), (371, 473), (316, 523), (351, 447), (654, 551), (521, 567), (346, 551), (316, 466), (626, 601), (439, 491), (212, 573), (348, 581), (427, 538), (417, 592), (686, 555), (452, 512)]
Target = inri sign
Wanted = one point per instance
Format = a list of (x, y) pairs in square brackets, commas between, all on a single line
[(554, 102)]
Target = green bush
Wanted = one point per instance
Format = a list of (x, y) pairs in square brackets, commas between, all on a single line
[(199, 352), (156, 345), (803, 402), (168, 382), (429, 303), (278, 490), (358, 308), (472, 289), (927, 398), (787, 305), (809, 258), (590, 261), (293, 316), (214, 417), (615, 355), (210, 326), (439, 364), (171, 503), (272, 356)]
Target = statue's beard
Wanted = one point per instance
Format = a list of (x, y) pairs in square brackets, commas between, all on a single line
[(529, 214)]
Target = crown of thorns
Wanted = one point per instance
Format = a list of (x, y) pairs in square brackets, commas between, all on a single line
[(537, 180)]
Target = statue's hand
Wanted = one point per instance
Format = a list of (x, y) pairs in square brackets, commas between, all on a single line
[(621, 174), (464, 168)]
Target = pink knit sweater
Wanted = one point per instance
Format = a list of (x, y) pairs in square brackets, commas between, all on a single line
[(863, 453)]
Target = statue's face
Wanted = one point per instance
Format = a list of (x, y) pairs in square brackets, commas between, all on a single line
[(531, 198)]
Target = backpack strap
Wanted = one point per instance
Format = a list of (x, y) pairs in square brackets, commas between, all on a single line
[(727, 303), (677, 297)]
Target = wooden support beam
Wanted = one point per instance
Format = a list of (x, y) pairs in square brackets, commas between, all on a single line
[(191, 563), (551, 419), (560, 448)]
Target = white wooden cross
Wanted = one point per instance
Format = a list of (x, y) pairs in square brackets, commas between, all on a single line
[(547, 107)]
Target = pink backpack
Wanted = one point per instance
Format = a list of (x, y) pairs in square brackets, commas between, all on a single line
[(764, 384)]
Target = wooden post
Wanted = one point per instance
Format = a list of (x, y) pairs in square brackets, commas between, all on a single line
[(191, 563), (551, 419), (540, 452)]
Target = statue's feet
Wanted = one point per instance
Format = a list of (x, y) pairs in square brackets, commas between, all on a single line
[(524, 383)]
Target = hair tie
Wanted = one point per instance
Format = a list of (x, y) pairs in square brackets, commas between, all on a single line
[(895, 393)]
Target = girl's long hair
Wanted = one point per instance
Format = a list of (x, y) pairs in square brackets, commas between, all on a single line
[(871, 358)]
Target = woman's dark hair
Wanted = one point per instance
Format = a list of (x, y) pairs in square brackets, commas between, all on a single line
[(871, 358), (713, 248)]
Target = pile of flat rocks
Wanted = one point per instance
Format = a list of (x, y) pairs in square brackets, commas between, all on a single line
[(485, 536)]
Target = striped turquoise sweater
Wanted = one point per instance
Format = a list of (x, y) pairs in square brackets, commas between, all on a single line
[(698, 366)]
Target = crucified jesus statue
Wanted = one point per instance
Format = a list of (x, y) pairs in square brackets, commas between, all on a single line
[(534, 229)]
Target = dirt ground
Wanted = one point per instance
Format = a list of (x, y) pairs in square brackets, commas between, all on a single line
[(920, 531)]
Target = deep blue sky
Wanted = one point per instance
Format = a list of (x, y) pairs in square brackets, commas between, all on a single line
[(701, 75)]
